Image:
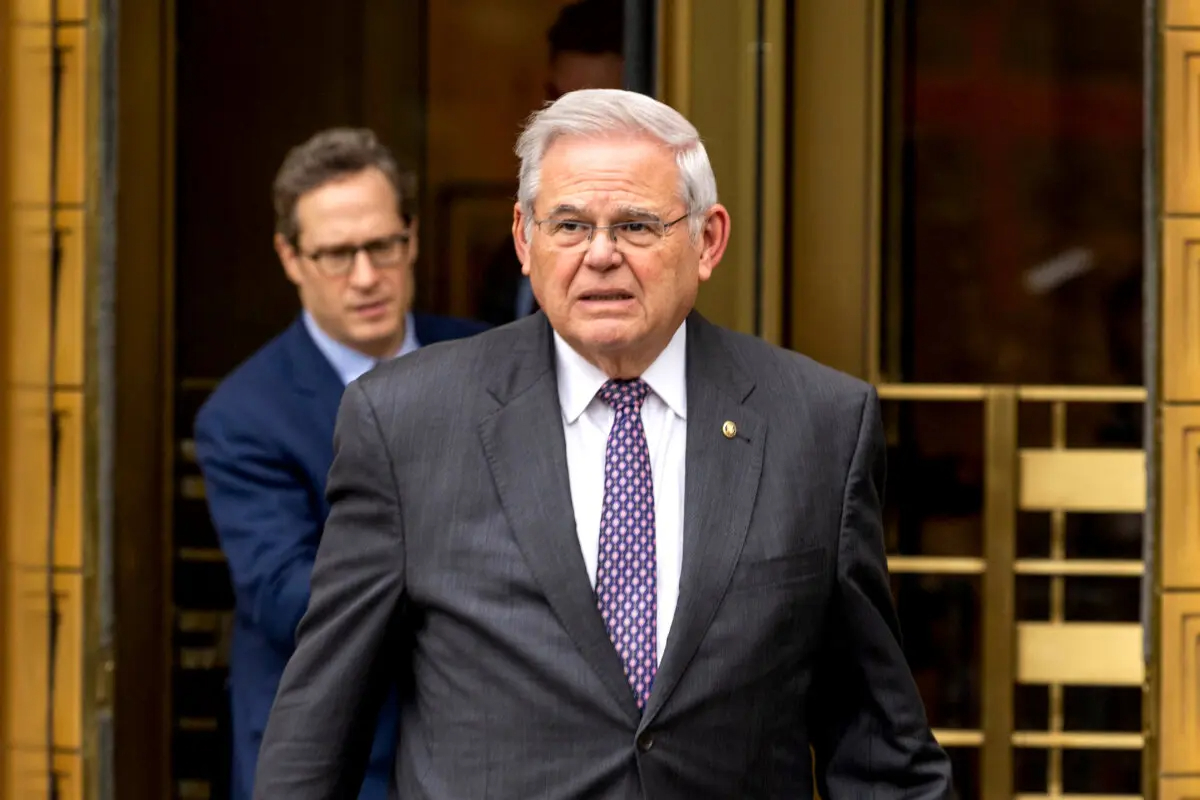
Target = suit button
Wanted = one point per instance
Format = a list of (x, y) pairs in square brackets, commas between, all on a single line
[(645, 741)]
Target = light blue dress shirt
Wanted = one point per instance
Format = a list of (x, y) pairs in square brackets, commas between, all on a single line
[(348, 362)]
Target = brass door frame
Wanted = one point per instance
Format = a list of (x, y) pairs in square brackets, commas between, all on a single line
[(98, 623), (836, 184), (70, 39), (816, 217), (141, 414), (735, 96), (1173, 231), (7, 114)]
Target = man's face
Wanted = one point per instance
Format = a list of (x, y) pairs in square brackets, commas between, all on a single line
[(616, 303), (358, 298), (572, 71)]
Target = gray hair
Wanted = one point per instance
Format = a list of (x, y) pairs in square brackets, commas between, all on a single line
[(597, 112)]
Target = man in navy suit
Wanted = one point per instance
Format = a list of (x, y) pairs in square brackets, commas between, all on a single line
[(264, 439)]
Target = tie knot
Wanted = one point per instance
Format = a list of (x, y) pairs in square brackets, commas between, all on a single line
[(625, 395)]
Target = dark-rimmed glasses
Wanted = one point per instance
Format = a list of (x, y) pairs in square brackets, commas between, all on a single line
[(383, 253)]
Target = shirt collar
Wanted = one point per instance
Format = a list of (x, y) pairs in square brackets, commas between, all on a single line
[(579, 380), (347, 362)]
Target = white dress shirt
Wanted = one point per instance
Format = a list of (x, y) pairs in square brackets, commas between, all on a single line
[(587, 421)]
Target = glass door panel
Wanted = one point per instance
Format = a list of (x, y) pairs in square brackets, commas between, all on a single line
[(1014, 164)]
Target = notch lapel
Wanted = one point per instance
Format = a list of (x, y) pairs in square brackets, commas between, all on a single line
[(721, 486), (316, 379), (527, 454)]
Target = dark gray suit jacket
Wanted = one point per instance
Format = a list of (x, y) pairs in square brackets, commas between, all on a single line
[(450, 563)]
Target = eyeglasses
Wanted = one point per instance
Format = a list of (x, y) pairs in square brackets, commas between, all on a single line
[(382, 253), (568, 233)]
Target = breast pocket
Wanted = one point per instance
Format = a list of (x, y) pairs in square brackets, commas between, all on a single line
[(778, 571)]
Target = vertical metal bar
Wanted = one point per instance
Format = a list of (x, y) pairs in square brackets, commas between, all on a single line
[(1152, 72), (999, 601), (674, 70), (641, 25), (893, 313), (773, 84), (100, 385), (1058, 601), (874, 211), (55, 268), (759, 196)]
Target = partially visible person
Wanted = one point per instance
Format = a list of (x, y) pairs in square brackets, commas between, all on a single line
[(585, 46), (264, 439)]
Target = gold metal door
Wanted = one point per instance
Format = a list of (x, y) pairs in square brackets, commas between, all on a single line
[(960, 222), (1056, 528), (1009, 282)]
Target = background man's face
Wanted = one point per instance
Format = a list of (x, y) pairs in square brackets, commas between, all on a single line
[(363, 309), (570, 72)]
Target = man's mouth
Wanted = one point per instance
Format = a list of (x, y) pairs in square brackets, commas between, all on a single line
[(606, 297)]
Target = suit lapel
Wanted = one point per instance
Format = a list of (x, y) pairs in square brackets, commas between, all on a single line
[(721, 485), (527, 454), (316, 380)]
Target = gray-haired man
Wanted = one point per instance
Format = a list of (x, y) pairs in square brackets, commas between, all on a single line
[(633, 554)]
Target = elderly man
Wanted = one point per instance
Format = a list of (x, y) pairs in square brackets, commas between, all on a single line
[(624, 552), (346, 239)]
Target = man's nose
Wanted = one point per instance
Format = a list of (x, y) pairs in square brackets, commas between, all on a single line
[(602, 252), (363, 272)]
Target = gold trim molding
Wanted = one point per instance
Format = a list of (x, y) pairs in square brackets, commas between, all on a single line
[(1175, 664)]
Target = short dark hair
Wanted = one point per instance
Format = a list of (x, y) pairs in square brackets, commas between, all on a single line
[(594, 27), (327, 156)]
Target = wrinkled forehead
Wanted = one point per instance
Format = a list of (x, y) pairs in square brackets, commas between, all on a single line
[(609, 173)]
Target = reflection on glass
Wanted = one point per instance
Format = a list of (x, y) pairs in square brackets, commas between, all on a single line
[(934, 508), (1014, 169), (1108, 772), (935, 479), (940, 616), (964, 761), (1084, 772), (491, 63)]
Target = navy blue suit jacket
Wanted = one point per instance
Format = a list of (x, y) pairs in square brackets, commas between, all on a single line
[(264, 442)]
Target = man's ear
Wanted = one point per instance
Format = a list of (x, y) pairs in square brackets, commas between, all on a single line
[(714, 237), (519, 241), (289, 258)]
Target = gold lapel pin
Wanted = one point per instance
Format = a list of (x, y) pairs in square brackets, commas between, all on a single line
[(729, 429)]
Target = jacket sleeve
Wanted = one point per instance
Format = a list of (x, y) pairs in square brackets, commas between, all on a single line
[(318, 738), (869, 731), (265, 519)]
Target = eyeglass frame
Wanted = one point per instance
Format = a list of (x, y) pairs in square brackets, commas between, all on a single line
[(593, 228), (316, 256)]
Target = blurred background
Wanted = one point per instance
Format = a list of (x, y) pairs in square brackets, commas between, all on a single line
[(985, 207)]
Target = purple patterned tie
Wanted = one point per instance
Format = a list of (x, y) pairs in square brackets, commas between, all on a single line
[(627, 572)]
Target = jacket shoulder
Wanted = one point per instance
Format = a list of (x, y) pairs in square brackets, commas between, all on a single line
[(432, 328), (442, 376), (777, 369), (250, 388)]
